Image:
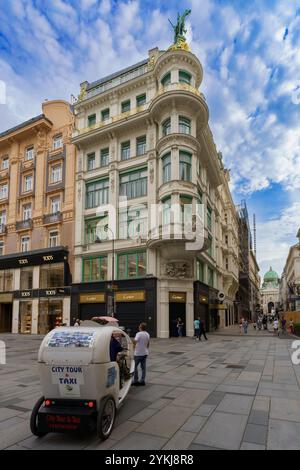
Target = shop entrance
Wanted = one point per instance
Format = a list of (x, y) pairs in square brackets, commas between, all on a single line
[(5, 318), (176, 310)]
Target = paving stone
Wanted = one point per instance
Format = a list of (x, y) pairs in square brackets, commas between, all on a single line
[(283, 435), (214, 398), (130, 408), (223, 430), (201, 447), (236, 389), (139, 441), (143, 415), (191, 398), (259, 417), (121, 431), (8, 423), (282, 408), (239, 404), (194, 424), (7, 413), (181, 440), (104, 445), (256, 434), (251, 446), (205, 410), (166, 422)]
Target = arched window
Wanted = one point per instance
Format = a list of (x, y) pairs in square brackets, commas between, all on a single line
[(184, 77), (166, 80), (184, 125), (185, 166), (166, 127), (166, 168)]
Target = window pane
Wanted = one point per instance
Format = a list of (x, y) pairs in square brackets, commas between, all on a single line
[(86, 270), (166, 165), (141, 145), (105, 114), (104, 157), (184, 77), (125, 150), (132, 267), (184, 125), (122, 266), (141, 100), (26, 279), (92, 120), (141, 268), (91, 161), (166, 80), (52, 276), (125, 106), (166, 127)]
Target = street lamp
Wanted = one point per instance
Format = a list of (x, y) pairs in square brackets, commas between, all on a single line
[(106, 229)]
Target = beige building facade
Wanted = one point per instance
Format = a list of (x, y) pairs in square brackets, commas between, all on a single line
[(37, 168), (142, 135), (290, 291)]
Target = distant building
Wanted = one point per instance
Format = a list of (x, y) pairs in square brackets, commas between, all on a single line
[(290, 291), (270, 292)]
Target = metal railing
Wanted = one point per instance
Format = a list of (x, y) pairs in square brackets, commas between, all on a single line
[(52, 218), (24, 224)]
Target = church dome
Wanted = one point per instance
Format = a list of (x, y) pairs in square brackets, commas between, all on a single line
[(271, 276)]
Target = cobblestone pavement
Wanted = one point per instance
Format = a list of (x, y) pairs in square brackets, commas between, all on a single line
[(231, 392)]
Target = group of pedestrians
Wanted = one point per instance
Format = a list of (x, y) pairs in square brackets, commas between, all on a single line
[(199, 329)]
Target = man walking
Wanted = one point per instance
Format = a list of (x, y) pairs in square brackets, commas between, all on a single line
[(141, 342), (202, 330)]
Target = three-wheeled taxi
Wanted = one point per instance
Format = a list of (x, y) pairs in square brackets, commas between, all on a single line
[(86, 374)]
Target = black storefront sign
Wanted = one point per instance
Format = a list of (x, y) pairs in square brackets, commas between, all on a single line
[(34, 258), (36, 293), (23, 294)]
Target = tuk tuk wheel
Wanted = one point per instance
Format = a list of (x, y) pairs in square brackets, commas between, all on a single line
[(106, 418), (34, 418)]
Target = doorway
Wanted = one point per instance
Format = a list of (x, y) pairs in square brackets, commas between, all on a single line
[(176, 310), (5, 318)]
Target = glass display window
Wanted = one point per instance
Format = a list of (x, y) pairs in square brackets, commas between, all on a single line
[(25, 317)]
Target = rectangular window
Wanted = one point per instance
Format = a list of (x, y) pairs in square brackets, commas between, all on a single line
[(95, 269), (132, 265), (52, 275), (184, 77), (91, 120), (29, 153), (141, 145), (26, 278), (105, 114), (28, 183), (166, 127), (184, 125), (94, 230), (125, 150), (97, 193), (5, 163), (57, 142), (27, 212), (53, 239), (125, 105), (141, 100), (104, 157), (185, 166), (201, 271), (56, 174), (210, 277), (134, 184), (3, 218), (166, 168), (1, 249), (166, 212), (134, 223), (3, 191), (209, 218), (91, 161), (25, 241), (166, 80), (55, 205), (25, 321)]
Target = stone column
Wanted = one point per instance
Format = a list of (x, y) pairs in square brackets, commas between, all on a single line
[(15, 322), (190, 312), (34, 315), (162, 309), (66, 310)]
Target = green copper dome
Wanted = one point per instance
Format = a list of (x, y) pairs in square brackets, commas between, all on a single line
[(271, 276)]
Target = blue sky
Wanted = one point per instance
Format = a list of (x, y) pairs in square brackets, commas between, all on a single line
[(250, 52)]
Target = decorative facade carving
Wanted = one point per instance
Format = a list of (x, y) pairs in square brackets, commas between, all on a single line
[(178, 270)]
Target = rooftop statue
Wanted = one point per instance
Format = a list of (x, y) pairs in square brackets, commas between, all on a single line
[(179, 31)]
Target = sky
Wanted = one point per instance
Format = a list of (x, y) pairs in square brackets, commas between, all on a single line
[(250, 52)]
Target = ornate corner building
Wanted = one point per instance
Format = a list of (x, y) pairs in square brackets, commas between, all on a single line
[(36, 221), (142, 134)]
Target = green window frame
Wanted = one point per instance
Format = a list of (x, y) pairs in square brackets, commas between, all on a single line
[(94, 269), (185, 166), (141, 100), (97, 193), (185, 77), (104, 157), (166, 167), (166, 80), (105, 114), (91, 161), (184, 125), (209, 218), (132, 265), (201, 267), (134, 184), (125, 150), (125, 106), (141, 143), (166, 127), (133, 223), (91, 120), (210, 277), (91, 229)]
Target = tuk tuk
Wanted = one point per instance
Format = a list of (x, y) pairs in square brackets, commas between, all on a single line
[(84, 381)]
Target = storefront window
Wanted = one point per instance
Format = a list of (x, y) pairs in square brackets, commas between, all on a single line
[(52, 275), (50, 315), (132, 265), (25, 317), (95, 269), (26, 279), (8, 280)]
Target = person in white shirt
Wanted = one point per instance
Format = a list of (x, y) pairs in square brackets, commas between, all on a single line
[(141, 342)]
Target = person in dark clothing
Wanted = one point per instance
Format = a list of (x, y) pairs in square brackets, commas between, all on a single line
[(202, 330), (114, 349)]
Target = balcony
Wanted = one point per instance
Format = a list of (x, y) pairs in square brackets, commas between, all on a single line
[(2, 229), (52, 218), (24, 224)]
